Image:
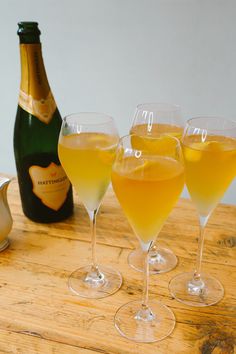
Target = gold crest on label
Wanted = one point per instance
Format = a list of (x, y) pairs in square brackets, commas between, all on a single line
[(50, 184)]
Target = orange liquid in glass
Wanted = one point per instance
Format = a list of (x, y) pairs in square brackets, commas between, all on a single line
[(147, 191), (143, 139), (87, 160), (210, 168), (157, 129)]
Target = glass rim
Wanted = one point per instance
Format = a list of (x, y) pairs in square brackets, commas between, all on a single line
[(171, 106), (107, 118), (193, 119), (178, 144)]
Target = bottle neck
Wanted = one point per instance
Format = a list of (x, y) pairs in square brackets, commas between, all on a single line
[(35, 94), (29, 38), (33, 75), (28, 32)]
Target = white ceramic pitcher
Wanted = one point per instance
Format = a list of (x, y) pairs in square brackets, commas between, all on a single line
[(5, 214)]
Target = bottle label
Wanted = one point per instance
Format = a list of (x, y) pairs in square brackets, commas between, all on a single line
[(35, 95), (50, 185)]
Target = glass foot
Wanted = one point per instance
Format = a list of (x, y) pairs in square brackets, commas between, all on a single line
[(161, 260), (156, 326), (94, 285), (208, 291)]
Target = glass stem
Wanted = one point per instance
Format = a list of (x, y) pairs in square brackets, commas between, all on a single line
[(145, 280), (197, 271), (145, 313), (92, 217)]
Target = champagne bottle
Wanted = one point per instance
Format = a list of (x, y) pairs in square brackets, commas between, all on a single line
[(46, 193)]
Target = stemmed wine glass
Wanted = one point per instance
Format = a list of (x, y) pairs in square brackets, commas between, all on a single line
[(154, 120), (86, 149), (209, 150), (147, 185)]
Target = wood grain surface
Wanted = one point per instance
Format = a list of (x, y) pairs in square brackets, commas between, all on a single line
[(40, 315)]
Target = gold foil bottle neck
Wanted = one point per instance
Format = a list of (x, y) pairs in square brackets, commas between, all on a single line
[(35, 95)]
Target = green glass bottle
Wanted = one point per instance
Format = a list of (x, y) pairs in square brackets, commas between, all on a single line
[(46, 193)]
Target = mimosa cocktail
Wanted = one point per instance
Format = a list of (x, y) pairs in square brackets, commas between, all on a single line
[(147, 191), (210, 168), (157, 129), (155, 120), (86, 149), (87, 159), (147, 186), (209, 151)]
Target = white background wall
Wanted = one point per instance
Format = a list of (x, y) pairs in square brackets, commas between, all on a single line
[(110, 55)]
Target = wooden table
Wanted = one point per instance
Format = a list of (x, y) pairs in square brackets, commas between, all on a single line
[(40, 315)]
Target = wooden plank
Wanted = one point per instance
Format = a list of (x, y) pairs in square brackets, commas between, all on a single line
[(25, 342), (35, 298)]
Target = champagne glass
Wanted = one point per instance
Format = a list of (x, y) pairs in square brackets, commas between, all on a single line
[(153, 120), (147, 186), (86, 149), (209, 150)]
